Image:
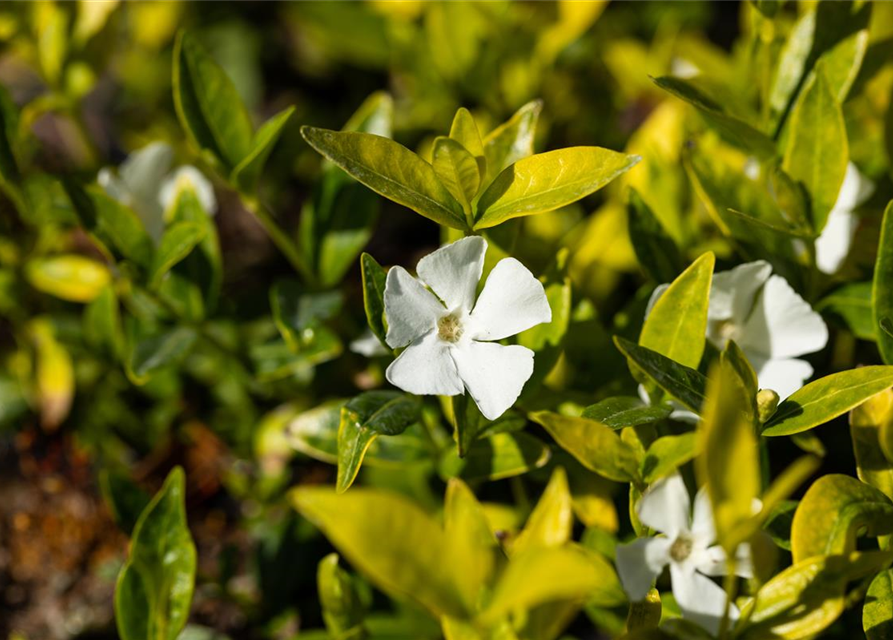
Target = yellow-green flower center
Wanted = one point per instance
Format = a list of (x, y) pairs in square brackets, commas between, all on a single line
[(681, 548), (449, 328)]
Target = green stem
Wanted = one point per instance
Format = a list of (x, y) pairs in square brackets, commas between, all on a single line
[(282, 241), (729, 584)]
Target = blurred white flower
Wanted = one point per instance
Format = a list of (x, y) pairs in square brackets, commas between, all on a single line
[(144, 183), (766, 318), (833, 245), (686, 546), (449, 335), (368, 345)]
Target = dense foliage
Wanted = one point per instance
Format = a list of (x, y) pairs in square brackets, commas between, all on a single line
[(476, 321)]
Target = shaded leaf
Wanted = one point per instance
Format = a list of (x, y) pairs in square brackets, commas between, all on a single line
[(626, 411)]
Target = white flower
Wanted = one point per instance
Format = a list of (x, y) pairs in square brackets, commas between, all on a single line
[(833, 245), (686, 547), (449, 335), (769, 321), (368, 345), (144, 183)]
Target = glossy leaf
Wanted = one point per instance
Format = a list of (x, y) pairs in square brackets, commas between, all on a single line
[(374, 278), (676, 327), (877, 612), (626, 411), (208, 105), (594, 445), (248, 171), (342, 606), (465, 131), (685, 384), (363, 419), (868, 422), (390, 540), (826, 398), (457, 169), (547, 181), (817, 151), (882, 287), (154, 589), (391, 170), (502, 455), (512, 140), (667, 454), (806, 598), (835, 510), (69, 277)]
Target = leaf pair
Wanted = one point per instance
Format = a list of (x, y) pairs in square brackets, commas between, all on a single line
[(473, 183)]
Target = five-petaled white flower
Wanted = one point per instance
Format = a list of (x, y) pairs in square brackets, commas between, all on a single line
[(449, 336), (145, 183), (686, 546), (769, 321), (833, 245)]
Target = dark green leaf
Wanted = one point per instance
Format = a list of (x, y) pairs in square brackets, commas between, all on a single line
[(247, 173), (626, 411), (657, 253), (374, 278)]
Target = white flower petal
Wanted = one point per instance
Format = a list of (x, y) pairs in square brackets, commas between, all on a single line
[(702, 526), (854, 191), (144, 170), (512, 301), (426, 368), (411, 309), (188, 177), (712, 561), (783, 325), (702, 601), (783, 376), (453, 271), (494, 374), (640, 562), (833, 245), (732, 292), (368, 345), (666, 507), (655, 296)]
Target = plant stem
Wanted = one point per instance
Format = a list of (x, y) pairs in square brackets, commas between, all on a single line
[(282, 241)]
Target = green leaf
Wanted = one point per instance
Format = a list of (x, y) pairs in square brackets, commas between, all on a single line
[(247, 173), (469, 422), (626, 411), (869, 426), (178, 241), (297, 314), (340, 600), (685, 384), (512, 140), (10, 176), (547, 181), (817, 153), (594, 445), (877, 612), (163, 349), (102, 323), (208, 105), (667, 454), (551, 523), (656, 251), (548, 574), (806, 598), (677, 325), (464, 130), (154, 589), (390, 540), (471, 542), (391, 170), (457, 170), (374, 279), (882, 286), (729, 465), (496, 457), (835, 510), (852, 304), (826, 398), (69, 277), (111, 223), (779, 522), (732, 128), (125, 500), (363, 419)]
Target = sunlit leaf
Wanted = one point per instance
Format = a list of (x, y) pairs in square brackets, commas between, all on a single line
[(69, 277)]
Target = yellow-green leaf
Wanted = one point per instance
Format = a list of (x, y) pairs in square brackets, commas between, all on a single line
[(247, 172), (817, 151), (512, 140), (464, 130), (390, 169), (877, 612), (389, 539), (867, 422), (70, 277), (595, 446), (677, 324), (834, 511), (826, 398), (552, 519), (547, 181), (457, 170), (471, 542), (882, 286)]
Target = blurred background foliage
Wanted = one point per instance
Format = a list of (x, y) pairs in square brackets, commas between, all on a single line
[(90, 424)]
